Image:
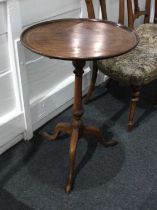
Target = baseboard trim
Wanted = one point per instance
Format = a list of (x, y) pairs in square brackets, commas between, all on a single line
[(10, 132)]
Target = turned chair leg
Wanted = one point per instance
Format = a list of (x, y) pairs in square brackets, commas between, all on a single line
[(92, 83), (135, 95)]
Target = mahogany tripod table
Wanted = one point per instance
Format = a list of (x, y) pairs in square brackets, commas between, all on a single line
[(78, 40)]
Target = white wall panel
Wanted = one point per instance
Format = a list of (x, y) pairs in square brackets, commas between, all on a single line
[(44, 75), (30, 56), (40, 10), (3, 19), (4, 55), (11, 120), (7, 96), (10, 131)]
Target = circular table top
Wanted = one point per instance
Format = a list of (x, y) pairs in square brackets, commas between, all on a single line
[(73, 39)]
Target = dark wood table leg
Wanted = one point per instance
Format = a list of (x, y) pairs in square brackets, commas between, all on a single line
[(77, 123), (76, 129)]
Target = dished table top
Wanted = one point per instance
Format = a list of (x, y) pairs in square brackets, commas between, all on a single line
[(84, 39)]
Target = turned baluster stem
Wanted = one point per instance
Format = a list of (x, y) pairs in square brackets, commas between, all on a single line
[(78, 107)]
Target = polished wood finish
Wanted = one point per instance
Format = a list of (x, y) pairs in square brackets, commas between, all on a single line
[(72, 39), (132, 16)]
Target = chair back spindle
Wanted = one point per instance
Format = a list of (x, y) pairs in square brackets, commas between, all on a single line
[(121, 11), (91, 13), (147, 11), (90, 9), (133, 15), (137, 9), (103, 9), (155, 16)]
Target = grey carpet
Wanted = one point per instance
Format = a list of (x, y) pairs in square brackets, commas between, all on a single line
[(123, 177)]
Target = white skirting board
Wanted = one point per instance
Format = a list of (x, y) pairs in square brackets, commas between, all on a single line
[(10, 131)]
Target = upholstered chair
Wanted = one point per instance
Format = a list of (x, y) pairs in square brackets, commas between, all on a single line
[(138, 67)]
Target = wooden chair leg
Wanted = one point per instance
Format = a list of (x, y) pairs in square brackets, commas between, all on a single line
[(133, 103), (92, 83)]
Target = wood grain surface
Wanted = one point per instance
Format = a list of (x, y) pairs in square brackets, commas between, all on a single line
[(72, 39)]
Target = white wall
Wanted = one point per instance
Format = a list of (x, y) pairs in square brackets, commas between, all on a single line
[(7, 101), (11, 116), (46, 9)]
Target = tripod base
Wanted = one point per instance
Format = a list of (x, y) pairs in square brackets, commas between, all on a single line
[(76, 133)]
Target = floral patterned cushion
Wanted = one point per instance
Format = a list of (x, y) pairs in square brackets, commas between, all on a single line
[(139, 66)]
